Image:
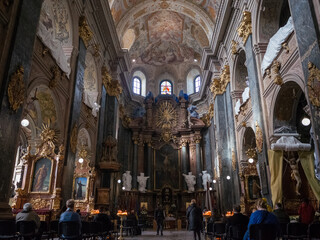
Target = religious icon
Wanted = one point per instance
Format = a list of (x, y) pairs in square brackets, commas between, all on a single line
[(80, 188), (41, 175)]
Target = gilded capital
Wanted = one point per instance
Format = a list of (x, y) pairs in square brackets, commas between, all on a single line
[(218, 85), (16, 89), (245, 28), (84, 31), (206, 118), (259, 138), (112, 87), (313, 84), (234, 46)]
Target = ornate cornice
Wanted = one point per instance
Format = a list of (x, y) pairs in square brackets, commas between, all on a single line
[(313, 84), (112, 87), (16, 89), (84, 31), (245, 28), (218, 85)]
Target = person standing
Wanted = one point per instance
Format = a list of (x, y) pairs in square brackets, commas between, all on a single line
[(194, 216), (159, 217), (306, 212)]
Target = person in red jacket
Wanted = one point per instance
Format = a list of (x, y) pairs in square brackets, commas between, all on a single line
[(306, 212)]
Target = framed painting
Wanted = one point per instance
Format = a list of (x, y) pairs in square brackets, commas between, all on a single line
[(80, 187), (144, 205), (41, 176), (167, 165)]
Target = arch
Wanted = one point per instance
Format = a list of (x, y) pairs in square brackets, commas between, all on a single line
[(188, 9), (192, 74), (139, 74), (168, 76), (286, 79), (268, 19), (166, 87), (55, 30), (248, 142), (197, 83), (288, 111)]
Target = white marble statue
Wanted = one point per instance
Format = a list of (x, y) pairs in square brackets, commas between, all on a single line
[(190, 180), (127, 181), (142, 180), (205, 178)]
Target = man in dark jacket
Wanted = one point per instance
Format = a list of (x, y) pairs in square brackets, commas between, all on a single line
[(194, 216), (237, 219), (159, 217), (282, 216), (104, 219)]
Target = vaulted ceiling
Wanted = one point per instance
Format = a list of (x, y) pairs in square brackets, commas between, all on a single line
[(164, 35)]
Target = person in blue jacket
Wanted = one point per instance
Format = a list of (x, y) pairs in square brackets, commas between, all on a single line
[(261, 216)]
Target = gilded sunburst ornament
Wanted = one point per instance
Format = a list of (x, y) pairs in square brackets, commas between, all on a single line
[(166, 116)]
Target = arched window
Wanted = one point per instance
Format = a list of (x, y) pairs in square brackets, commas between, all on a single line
[(166, 87), (197, 83), (137, 85)]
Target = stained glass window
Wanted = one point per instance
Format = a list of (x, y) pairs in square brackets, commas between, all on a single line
[(166, 87), (137, 85), (197, 84)]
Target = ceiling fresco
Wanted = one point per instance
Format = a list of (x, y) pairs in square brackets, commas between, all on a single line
[(164, 36)]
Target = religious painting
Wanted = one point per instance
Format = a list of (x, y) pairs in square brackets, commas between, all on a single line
[(254, 188), (167, 167), (80, 188), (41, 175), (144, 205)]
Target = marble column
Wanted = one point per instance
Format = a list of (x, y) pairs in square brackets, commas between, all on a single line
[(135, 140), (184, 162), (76, 100), (257, 114), (198, 162), (20, 55), (101, 126), (308, 38), (140, 156), (150, 167)]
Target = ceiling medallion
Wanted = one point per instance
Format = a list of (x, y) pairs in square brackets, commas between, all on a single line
[(314, 84), (16, 89), (164, 4)]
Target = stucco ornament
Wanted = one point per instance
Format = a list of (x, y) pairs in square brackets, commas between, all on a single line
[(16, 89), (314, 84)]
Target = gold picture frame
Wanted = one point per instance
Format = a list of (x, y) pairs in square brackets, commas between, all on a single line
[(39, 178), (78, 193)]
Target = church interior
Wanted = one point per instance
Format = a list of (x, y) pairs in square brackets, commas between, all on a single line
[(128, 103)]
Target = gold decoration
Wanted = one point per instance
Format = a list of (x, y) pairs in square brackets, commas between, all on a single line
[(84, 31), (74, 138), (252, 153), (112, 87), (245, 28), (234, 46), (234, 160), (21, 192), (110, 149), (16, 89), (49, 136), (206, 118), (314, 84), (285, 46), (56, 76), (166, 135), (268, 72), (218, 86), (38, 203), (126, 120), (47, 106), (45, 50), (166, 116), (276, 65), (259, 138), (96, 48)]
